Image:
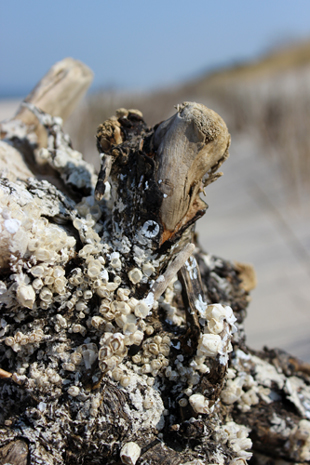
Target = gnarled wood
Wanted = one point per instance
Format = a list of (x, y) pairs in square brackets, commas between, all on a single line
[(14, 453), (164, 169), (57, 94), (120, 340), (187, 147)]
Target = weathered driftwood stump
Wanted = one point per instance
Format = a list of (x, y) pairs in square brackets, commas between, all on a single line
[(121, 341)]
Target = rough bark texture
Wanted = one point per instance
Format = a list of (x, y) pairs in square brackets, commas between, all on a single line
[(121, 341)]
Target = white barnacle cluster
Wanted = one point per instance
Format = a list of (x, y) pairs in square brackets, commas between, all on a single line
[(120, 317), (241, 389), (215, 341), (219, 324), (112, 351), (298, 392), (152, 357), (245, 390), (27, 236), (146, 405), (33, 248), (60, 155), (26, 342), (43, 378), (236, 437), (130, 453), (62, 298)]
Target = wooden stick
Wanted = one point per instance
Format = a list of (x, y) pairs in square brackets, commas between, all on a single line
[(5, 374), (57, 93)]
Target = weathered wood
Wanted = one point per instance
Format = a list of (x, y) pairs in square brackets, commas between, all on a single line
[(120, 340), (187, 148), (57, 94), (169, 167), (14, 453)]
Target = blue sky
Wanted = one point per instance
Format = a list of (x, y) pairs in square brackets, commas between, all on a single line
[(135, 44)]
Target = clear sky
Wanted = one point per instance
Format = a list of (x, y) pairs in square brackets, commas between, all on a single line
[(140, 44)]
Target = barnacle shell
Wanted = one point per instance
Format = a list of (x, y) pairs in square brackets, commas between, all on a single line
[(61, 320), (141, 309), (135, 275), (215, 326), (183, 402), (125, 381), (117, 343), (199, 403), (97, 322), (130, 453), (121, 306), (123, 293), (148, 269), (26, 295), (209, 345)]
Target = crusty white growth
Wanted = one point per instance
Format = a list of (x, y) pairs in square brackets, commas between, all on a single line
[(199, 403), (45, 243), (146, 409), (299, 393), (236, 436), (246, 390), (109, 332), (58, 154), (130, 453), (266, 374), (219, 325)]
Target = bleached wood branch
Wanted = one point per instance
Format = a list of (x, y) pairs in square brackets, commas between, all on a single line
[(57, 94)]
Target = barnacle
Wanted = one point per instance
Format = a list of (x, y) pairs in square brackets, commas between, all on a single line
[(130, 453), (199, 403), (135, 275)]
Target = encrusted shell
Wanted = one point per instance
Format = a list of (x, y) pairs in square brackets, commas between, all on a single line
[(199, 403), (130, 453), (209, 345), (135, 275), (26, 296), (141, 309)]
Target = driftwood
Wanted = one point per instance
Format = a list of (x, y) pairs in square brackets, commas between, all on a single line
[(121, 341)]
